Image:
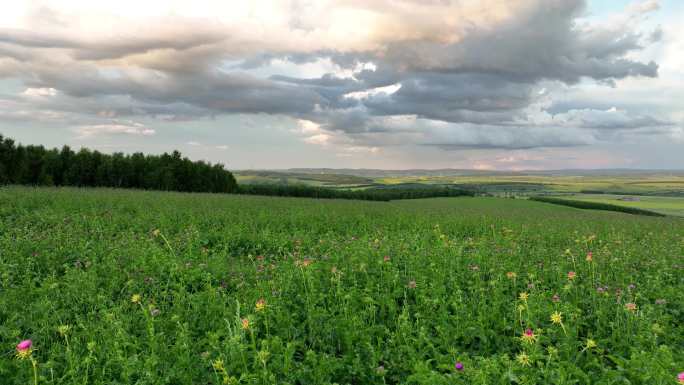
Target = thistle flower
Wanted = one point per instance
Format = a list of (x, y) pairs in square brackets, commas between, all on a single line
[(459, 366), (571, 275), (631, 307), (63, 330), (590, 344), (590, 257), (523, 359), (523, 296), (386, 258), (24, 349), (555, 298), (680, 378), (528, 336), (217, 364), (557, 318), (245, 323), (511, 275), (136, 298), (260, 304)]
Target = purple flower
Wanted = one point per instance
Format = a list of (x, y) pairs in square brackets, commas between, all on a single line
[(24, 345), (459, 366)]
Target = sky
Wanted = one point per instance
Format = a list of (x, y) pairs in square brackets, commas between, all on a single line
[(390, 84)]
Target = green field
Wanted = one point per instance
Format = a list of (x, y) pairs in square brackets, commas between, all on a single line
[(664, 205), (132, 287)]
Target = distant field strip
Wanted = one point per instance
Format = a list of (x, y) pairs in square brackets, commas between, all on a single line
[(597, 206)]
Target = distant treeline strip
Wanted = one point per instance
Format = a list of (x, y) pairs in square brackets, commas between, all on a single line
[(38, 166), (596, 206), (371, 194)]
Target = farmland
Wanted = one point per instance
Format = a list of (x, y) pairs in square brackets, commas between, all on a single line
[(139, 287)]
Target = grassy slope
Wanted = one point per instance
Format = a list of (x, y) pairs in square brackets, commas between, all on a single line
[(75, 257)]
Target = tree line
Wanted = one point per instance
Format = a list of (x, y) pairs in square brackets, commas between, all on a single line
[(370, 194), (39, 166)]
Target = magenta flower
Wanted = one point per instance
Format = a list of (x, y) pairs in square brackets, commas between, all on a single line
[(680, 378), (24, 345), (459, 366), (24, 349)]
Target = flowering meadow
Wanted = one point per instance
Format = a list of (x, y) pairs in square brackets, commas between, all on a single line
[(103, 286)]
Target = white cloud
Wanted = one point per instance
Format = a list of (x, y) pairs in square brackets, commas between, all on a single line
[(113, 129)]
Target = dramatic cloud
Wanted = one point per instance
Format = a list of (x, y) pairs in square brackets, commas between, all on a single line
[(448, 75)]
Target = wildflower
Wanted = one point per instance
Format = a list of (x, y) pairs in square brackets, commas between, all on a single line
[(245, 323), (571, 275), (333, 270), (156, 232), (680, 378), (631, 306), (590, 344), (459, 366), (523, 359), (660, 301), (136, 298), (529, 336), (411, 285), (590, 257), (530, 285), (155, 312), (511, 275), (555, 298), (63, 330), (386, 258), (600, 290), (24, 349), (631, 286), (523, 296), (260, 304), (557, 318), (217, 364)]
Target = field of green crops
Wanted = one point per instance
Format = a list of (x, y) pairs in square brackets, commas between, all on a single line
[(129, 287)]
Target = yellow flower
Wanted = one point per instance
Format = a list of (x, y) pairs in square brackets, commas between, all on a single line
[(590, 344), (557, 318), (260, 304), (524, 296), (523, 359), (245, 323), (136, 298), (511, 275), (156, 232), (63, 330), (217, 364)]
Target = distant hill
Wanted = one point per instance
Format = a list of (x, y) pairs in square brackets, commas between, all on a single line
[(377, 173)]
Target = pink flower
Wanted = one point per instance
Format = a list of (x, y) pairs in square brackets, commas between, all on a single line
[(571, 275), (386, 258), (555, 298), (680, 378), (459, 366), (24, 345)]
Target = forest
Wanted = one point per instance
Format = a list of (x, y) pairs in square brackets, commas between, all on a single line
[(38, 166)]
